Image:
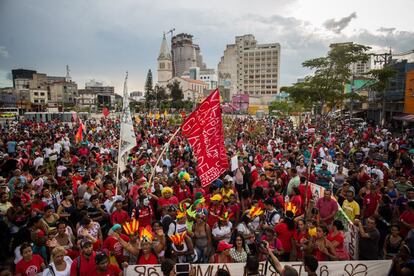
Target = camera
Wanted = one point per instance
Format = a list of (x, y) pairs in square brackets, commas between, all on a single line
[(182, 269)]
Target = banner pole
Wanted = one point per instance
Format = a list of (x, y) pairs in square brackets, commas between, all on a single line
[(119, 158), (307, 178), (162, 152)]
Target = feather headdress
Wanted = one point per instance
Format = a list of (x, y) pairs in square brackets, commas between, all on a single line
[(178, 239), (146, 234), (255, 212)]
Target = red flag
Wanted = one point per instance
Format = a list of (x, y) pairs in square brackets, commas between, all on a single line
[(79, 134), (105, 111), (204, 131)]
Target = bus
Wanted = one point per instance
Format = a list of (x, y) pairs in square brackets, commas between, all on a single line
[(9, 112), (50, 116)]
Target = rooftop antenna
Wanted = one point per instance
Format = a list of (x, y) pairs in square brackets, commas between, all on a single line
[(68, 78)]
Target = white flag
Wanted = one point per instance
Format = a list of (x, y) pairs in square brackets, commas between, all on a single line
[(128, 138)]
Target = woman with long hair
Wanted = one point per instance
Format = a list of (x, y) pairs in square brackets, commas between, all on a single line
[(336, 237), (321, 247), (285, 230), (202, 237), (239, 251), (393, 242), (91, 230), (299, 237)]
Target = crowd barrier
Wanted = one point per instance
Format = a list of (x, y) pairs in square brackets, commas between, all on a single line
[(347, 268)]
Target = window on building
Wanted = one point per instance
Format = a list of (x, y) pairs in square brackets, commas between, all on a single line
[(36, 93)]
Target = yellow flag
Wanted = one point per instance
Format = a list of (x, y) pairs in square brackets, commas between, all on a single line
[(157, 116), (165, 113), (137, 120), (150, 115)]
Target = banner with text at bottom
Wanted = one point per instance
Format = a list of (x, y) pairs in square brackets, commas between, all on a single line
[(349, 268), (204, 131)]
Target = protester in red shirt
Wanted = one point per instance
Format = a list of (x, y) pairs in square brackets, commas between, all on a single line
[(327, 207), (104, 268), (113, 245), (31, 264), (182, 191), (119, 216), (167, 198), (370, 202), (296, 201), (285, 230), (407, 219), (261, 183), (87, 260)]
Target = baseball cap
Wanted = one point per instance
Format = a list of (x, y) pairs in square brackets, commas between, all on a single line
[(223, 246)]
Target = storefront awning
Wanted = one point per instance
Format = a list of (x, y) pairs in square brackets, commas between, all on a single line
[(404, 117)]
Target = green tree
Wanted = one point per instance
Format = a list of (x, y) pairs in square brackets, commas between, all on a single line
[(148, 90), (176, 94), (160, 95), (325, 87)]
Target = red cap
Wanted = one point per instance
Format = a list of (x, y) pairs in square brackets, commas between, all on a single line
[(223, 246)]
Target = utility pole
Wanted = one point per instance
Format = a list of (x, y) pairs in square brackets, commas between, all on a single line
[(382, 59)]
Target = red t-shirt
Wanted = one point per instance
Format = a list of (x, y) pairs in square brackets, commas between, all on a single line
[(182, 193), (87, 267), (145, 215), (297, 201), (263, 184), (119, 217), (408, 217), (284, 235), (111, 270), (370, 202), (166, 202), (115, 247), (30, 268), (298, 236), (151, 260)]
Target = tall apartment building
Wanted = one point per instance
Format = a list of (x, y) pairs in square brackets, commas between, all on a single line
[(185, 54), (257, 68), (227, 71)]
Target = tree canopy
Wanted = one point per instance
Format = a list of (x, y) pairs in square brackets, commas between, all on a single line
[(325, 87)]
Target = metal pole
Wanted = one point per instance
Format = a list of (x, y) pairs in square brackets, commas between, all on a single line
[(162, 152)]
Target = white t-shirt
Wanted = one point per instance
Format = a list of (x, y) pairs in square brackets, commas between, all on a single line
[(108, 203), (66, 272), (222, 231)]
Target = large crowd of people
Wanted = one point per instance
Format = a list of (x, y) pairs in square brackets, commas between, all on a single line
[(63, 212)]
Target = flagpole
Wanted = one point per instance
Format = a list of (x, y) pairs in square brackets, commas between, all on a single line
[(119, 158), (120, 132), (162, 152), (307, 178)]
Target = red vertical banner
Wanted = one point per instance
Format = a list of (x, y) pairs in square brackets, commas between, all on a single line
[(204, 131)]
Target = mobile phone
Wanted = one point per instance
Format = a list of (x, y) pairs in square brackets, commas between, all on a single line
[(182, 269)]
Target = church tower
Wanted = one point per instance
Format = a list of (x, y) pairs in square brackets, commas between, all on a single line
[(164, 64)]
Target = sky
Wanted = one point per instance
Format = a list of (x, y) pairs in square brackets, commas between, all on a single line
[(102, 39)]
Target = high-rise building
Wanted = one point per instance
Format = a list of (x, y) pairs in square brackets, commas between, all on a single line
[(359, 68), (227, 71), (257, 68), (164, 60), (185, 54)]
